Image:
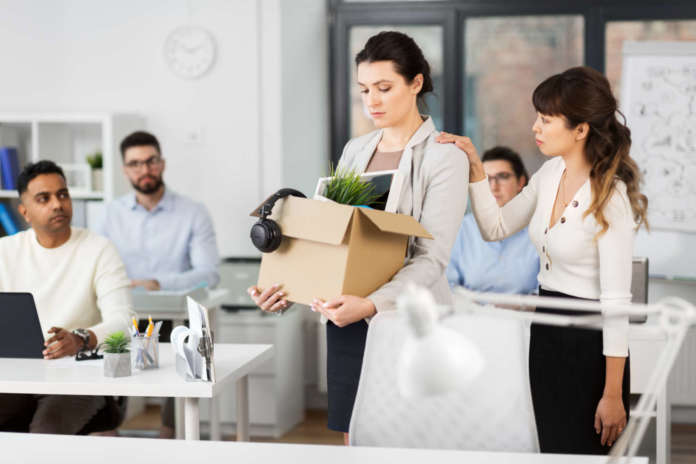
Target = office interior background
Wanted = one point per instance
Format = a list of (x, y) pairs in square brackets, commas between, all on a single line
[(280, 100)]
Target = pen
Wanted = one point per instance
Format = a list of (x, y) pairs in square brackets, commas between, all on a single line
[(150, 327), (135, 326), (148, 334)]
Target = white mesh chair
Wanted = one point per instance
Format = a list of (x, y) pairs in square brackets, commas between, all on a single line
[(493, 414)]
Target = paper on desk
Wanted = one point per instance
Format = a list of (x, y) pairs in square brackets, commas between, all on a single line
[(186, 341), (178, 339)]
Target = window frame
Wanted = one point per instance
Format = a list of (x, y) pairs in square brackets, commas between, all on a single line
[(451, 15)]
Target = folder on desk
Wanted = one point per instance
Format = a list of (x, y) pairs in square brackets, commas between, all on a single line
[(193, 346)]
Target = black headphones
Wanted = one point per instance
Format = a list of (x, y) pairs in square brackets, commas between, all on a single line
[(266, 234)]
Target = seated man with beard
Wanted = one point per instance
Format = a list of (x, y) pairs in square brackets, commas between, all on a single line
[(166, 240)]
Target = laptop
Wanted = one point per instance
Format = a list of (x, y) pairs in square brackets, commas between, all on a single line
[(24, 338)]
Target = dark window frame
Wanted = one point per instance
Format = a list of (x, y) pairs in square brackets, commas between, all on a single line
[(451, 16)]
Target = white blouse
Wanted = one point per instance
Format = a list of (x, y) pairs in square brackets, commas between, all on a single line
[(571, 260)]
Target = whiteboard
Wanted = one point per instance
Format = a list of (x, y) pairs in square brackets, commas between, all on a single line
[(658, 98)]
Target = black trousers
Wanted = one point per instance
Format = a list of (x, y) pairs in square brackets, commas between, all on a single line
[(567, 373), (345, 348)]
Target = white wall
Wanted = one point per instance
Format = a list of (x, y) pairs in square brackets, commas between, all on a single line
[(87, 55)]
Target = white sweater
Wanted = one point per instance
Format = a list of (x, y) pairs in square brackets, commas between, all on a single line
[(571, 261), (80, 284)]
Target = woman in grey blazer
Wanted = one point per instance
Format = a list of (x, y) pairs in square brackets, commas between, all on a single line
[(393, 76)]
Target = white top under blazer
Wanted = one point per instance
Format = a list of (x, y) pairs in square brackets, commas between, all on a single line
[(571, 261)]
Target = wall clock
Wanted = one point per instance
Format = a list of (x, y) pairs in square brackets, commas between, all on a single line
[(190, 51)]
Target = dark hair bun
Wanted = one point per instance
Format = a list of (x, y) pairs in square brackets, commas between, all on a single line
[(401, 50)]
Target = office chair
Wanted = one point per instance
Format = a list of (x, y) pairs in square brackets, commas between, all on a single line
[(494, 413), (639, 285), (107, 418)]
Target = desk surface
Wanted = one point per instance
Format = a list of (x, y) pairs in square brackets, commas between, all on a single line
[(214, 299), (66, 376), (40, 449)]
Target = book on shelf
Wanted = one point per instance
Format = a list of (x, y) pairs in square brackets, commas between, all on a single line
[(9, 165), (7, 221)]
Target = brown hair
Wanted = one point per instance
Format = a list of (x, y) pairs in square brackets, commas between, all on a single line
[(403, 52), (583, 95)]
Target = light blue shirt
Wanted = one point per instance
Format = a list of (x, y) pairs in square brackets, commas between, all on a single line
[(174, 243), (508, 266)]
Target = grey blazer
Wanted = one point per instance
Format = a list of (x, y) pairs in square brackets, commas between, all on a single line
[(435, 189)]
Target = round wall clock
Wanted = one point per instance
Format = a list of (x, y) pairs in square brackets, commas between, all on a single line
[(190, 51)]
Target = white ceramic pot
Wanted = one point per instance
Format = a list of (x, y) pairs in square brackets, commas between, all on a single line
[(97, 180), (117, 364)]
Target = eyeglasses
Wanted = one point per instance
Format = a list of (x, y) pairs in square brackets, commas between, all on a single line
[(150, 162), (500, 177)]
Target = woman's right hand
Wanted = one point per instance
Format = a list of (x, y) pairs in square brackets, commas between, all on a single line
[(476, 172), (271, 300)]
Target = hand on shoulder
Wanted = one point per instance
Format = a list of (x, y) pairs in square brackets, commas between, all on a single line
[(476, 172)]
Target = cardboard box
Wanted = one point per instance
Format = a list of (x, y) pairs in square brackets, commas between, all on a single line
[(329, 249)]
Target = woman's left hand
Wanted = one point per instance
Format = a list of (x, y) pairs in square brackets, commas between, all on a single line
[(610, 419), (345, 309)]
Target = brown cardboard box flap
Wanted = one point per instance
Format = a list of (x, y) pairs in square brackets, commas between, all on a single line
[(395, 223), (314, 220)]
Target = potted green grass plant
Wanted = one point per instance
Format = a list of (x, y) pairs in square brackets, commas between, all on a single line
[(347, 188), (96, 163), (117, 361)]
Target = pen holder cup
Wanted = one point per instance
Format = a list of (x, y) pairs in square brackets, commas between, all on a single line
[(144, 352)]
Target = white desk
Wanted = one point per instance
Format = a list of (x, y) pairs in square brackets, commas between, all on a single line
[(645, 348), (178, 315), (42, 449), (67, 377)]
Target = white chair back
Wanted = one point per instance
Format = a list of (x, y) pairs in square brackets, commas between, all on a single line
[(493, 414)]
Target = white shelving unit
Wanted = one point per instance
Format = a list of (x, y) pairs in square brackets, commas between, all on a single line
[(67, 139)]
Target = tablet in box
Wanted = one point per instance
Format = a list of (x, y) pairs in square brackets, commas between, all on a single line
[(387, 185)]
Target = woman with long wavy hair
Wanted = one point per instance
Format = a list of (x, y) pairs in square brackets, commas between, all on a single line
[(582, 207)]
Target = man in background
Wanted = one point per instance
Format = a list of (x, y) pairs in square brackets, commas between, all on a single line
[(510, 265), (166, 240), (80, 288)]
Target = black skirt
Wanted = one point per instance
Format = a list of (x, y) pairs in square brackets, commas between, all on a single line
[(567, 374), (345, 349)]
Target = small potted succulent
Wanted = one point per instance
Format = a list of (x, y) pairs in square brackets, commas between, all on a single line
[(96, 162), (346, 187), (117, 362)]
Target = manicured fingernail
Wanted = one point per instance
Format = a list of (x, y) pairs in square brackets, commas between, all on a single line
[(276, 285), (312, 308), (325, 304)]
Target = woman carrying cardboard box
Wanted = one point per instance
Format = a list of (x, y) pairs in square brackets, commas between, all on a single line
[(393, 76)]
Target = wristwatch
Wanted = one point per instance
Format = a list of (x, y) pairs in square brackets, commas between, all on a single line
[(84, 335)]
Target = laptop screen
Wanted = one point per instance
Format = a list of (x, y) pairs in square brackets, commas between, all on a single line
[(25, 338)]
